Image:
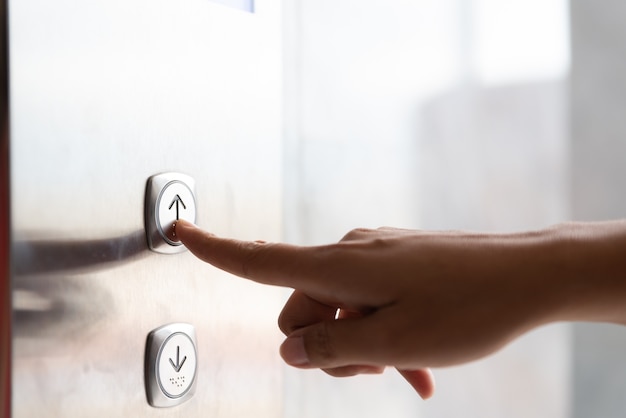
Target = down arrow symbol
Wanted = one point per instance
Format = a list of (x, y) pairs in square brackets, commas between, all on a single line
[(179, 364)]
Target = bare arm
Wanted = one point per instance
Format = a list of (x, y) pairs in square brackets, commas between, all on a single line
[(414, 299)]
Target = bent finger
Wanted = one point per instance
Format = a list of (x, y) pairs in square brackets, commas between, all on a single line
[(332, 344), (301, 311), (422, 380)]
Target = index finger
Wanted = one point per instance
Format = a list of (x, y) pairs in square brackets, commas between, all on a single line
[(269, 263)]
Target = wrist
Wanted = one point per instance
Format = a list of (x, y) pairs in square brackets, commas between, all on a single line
[(583, 269)]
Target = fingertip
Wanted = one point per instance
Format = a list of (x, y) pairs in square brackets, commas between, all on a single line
[(189, 233), (182, 225), (422, 380), (199, 242), (185, 224)]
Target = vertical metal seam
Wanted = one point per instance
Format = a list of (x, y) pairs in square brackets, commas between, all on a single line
[(5, 224)]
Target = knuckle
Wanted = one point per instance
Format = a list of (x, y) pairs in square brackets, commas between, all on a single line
[(324, 348), (357, 233), (392, 229), (253, 253), (286, 323), (283, 326)]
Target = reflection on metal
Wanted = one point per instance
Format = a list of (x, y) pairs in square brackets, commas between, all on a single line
[(72, 256), (50, 293)]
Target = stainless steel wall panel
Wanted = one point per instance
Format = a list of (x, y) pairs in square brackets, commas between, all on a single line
[(105, 94)]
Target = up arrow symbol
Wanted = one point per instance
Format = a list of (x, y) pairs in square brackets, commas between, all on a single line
[(179, 364), (176, 201)]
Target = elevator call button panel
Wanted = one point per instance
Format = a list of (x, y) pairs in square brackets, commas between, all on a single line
[(169, 197)]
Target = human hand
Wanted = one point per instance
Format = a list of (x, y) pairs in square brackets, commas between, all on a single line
[(390, 297)]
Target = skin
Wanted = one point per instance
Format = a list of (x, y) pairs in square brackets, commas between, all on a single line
[(414, 299)]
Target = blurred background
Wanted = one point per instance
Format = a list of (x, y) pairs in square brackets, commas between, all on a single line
[(459, 114)]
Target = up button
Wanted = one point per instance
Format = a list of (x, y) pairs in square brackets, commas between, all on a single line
[(169, 197), (170, 365)]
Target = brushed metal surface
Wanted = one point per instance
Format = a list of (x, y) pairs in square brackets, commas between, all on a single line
[(105, 94)]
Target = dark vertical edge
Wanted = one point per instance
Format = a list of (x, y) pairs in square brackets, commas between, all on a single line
[(5, 225)]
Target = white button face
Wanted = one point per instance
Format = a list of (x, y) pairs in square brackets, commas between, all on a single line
[(176, 368), (169, 197), (176, 201), (171, 365)]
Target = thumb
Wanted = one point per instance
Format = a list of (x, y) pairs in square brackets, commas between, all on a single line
[(331, 344)]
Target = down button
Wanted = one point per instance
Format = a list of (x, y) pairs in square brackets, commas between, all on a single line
[(171, 365)]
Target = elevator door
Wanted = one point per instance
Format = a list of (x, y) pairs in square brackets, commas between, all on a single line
[(105, 94)]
